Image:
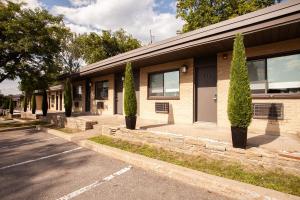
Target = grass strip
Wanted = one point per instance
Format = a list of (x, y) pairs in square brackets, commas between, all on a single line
[(276, 180)]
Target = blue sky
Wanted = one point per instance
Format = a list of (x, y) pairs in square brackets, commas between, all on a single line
[(137, 17)]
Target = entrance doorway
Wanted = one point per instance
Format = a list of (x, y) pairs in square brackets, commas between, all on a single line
[(206, 89), (119, 93)]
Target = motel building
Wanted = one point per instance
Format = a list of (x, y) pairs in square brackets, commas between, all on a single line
[(185, 79)]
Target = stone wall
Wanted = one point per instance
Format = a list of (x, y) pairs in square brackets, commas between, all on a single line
[(252, 158), (28, 115), (290, 124)]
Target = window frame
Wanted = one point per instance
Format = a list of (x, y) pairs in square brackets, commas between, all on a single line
[(78, 97), (102, 81), (267, 95), (149, 97)]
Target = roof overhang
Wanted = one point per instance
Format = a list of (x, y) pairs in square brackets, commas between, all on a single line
[(275, 23)]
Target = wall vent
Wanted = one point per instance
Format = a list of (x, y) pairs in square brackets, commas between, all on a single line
[(162, 107), (267, 110)]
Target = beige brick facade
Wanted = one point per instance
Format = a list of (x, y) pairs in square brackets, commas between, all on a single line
[(109, 103), (291, 121), (181, 111)]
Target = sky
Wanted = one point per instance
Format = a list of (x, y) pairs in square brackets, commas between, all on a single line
[(137, 17)]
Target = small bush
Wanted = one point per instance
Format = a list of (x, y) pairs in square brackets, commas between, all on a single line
[(33, 104), (130, 104), (68, 97), (239, 98), (44, 103)]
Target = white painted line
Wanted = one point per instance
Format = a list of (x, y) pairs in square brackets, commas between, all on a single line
[(95, 184), (26, 143), (41, 158)]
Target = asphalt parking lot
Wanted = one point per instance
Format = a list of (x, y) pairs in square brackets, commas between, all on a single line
[(38, 165)]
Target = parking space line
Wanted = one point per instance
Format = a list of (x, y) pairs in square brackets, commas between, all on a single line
[(95, 184), (41, 158), (16, 145)]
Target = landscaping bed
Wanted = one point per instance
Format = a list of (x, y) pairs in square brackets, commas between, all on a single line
[(68, 130), (15, 124), (276, 179)]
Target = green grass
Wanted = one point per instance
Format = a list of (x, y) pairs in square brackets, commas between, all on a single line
[(12, 124), (276, 180)]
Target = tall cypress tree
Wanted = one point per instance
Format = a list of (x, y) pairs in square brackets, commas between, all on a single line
[(239, 108), (44, 103), (130, 104), (68, 97), (25, 102), (11, 106), (33, 104)]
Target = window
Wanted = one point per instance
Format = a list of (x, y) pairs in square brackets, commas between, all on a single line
[(164, 84), (275, 75), (101, 90), (77, 92)]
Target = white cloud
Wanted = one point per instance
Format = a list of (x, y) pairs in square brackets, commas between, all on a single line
[(135, 16), (29, 3)]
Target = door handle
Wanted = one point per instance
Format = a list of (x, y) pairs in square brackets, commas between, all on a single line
[(215, 97)]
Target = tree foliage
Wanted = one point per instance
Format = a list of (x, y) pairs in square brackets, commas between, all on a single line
[(68, 97), (95, 47), (33, 104), (44, 103), (239, 98), (201, 13), (130, 104), (30, 41)]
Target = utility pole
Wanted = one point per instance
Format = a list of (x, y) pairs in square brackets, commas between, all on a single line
[(151, 37)]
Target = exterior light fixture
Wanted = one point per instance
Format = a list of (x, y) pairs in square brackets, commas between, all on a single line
[(225, 56), (123, 78), (184, 68)]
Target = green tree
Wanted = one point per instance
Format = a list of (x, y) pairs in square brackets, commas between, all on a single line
[(239, 98), (30, 41), (201, 13), (33, 103), (95, 47), (44, 103), (130, 104), (11, 106), (68, 97)]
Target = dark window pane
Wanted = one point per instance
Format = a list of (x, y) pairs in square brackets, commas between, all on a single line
[(101, 90), (171, 83), (257, 75), (156, 85), (284, 74)]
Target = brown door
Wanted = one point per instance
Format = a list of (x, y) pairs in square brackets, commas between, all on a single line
[(119, 93), (206, 90)]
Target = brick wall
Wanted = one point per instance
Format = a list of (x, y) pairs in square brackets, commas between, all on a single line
[(181, 111), (290, 124), (109, 103)]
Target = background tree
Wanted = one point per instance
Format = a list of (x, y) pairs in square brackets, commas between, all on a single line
[(201, 13), (95, 47), (33, 104), (30, 41), (11, 106), (239, 98), (44, 103), (68, 97)]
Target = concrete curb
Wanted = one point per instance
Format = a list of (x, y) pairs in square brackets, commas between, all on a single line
[(17, 128), (222, 186)]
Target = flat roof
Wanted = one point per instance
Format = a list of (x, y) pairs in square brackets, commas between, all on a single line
[(201, 36)]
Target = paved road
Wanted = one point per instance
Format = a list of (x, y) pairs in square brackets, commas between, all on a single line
[(38, 165)]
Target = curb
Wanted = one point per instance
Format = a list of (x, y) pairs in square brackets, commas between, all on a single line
[(222, 186), (18, 128)]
